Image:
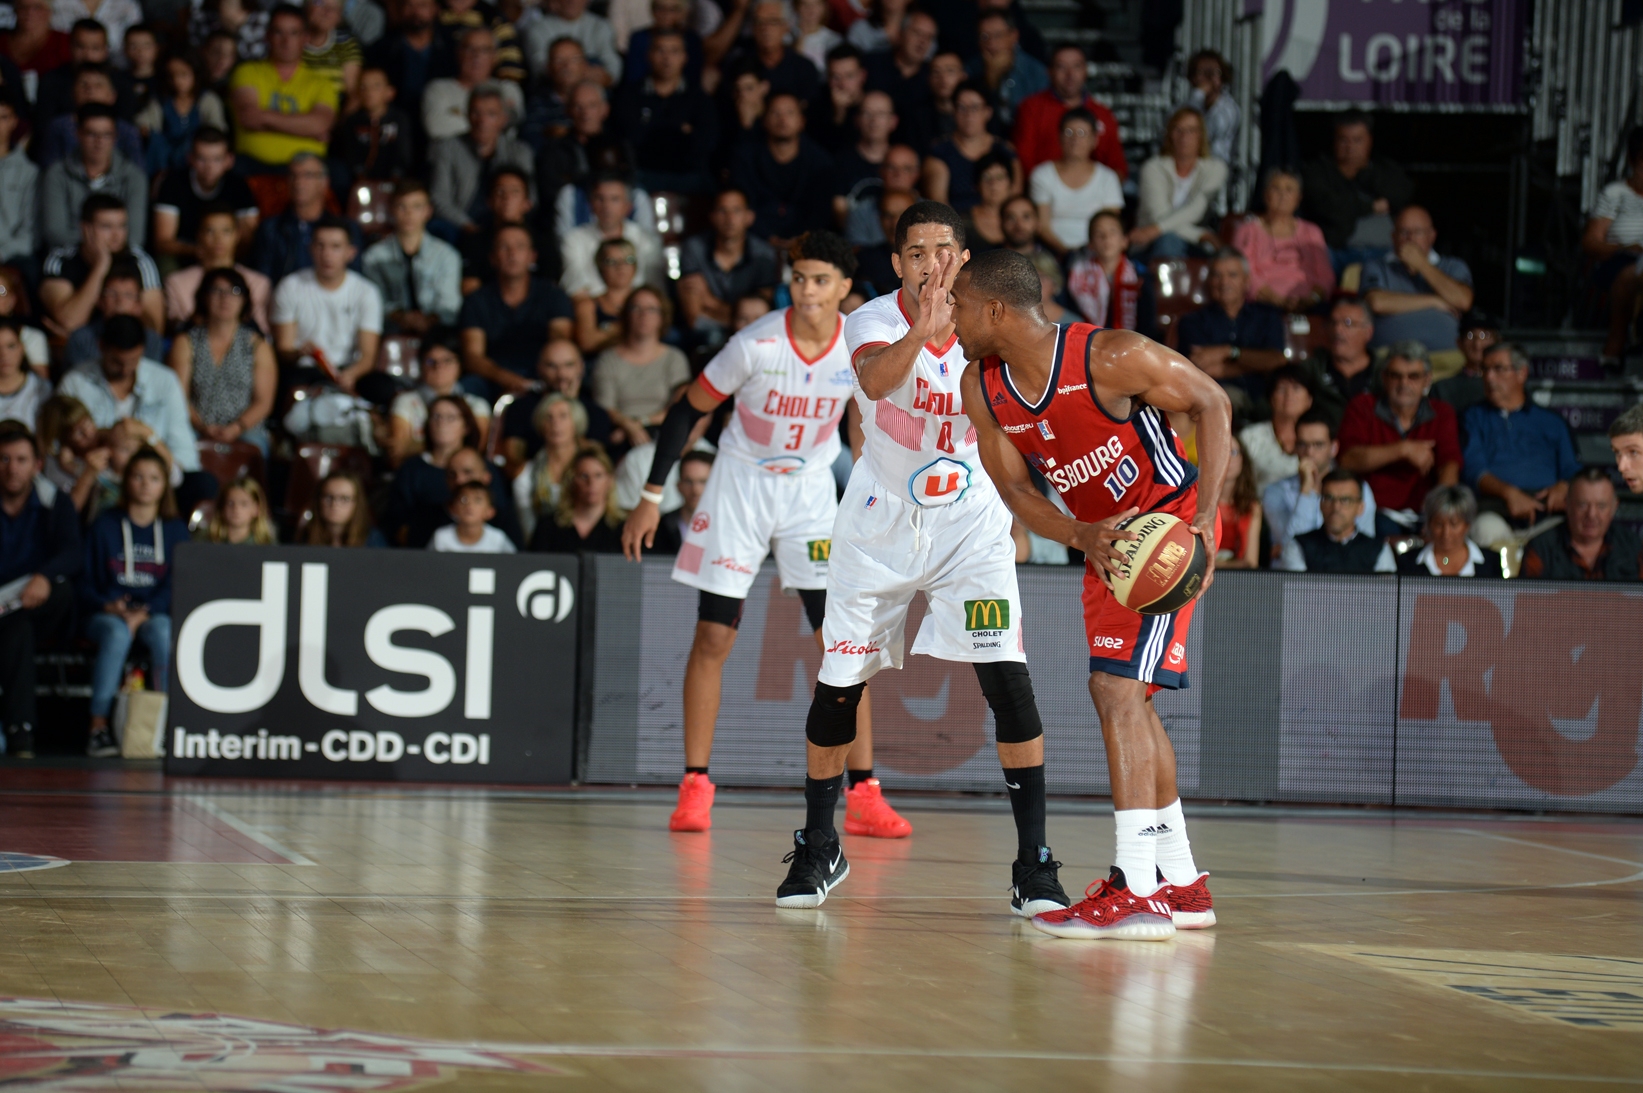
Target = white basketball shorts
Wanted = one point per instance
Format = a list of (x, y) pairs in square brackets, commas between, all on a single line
[(884, 550), (748, 512)]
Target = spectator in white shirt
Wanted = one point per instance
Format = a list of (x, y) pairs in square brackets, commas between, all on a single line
[(612, 202), (1074, 188), (470, 531), (445, 101), (329, 313)]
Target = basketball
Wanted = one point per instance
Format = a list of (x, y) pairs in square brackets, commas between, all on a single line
[(1165, 567)]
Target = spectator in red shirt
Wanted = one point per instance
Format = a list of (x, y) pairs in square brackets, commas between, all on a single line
[(1402, 443), (33, 45), (1038, 118)]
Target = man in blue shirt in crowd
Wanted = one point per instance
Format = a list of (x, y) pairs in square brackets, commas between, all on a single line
[(1519, 456), (1233, 339), (40, 549), (1417, 293)]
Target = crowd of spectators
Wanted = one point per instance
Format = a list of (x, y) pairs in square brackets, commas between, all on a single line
[(449, 234)]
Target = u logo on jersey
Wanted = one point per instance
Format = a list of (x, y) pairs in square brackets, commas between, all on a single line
[(939, 483)]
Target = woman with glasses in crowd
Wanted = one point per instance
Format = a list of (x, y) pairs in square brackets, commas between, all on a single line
[(951, 167), (441, 376), (1446, 527), (341, 517), (599, 318), (1177, 188), (420, 490), (586, 518), (224, 365), (634, 378), (1070, 190), (126, 585)]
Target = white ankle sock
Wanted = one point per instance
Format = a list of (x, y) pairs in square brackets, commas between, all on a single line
[(1137, 848), (1174, 852)]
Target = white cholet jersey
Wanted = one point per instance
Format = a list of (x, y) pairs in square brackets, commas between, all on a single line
[(919, 443), (787, 407)]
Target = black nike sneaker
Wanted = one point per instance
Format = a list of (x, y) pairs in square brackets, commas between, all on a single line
[(818, 868), (1035, 886)]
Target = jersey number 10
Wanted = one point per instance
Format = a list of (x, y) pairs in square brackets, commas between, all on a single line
[(1123, 476)]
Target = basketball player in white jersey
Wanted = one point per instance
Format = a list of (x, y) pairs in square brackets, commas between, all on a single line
[(919, 514), (771, 491)]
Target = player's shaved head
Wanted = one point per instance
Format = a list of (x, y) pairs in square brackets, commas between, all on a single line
[(1006, 276), (997, 301)]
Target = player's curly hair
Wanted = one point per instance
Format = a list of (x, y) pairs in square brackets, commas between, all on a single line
[(824, 246)]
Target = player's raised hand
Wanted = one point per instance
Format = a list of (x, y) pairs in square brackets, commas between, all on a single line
[(1096, 541), (640, 529), (935, 308)]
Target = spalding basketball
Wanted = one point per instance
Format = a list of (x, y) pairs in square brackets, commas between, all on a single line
[(1165, 567)]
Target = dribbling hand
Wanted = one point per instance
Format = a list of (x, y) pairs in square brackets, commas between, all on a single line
[(1203, 526), (640, 529), (1096, 541)]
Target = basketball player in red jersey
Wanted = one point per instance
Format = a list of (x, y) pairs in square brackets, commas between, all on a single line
[(1088, 408)]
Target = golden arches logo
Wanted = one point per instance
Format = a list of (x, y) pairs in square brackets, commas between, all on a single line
[(987, 614)]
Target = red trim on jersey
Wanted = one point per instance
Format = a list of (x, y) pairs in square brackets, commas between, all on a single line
[(938, 350), (860, 349), (712, 391), (838, 329)]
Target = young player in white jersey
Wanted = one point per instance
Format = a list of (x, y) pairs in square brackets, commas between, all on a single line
[(919, 514), (771, 491)]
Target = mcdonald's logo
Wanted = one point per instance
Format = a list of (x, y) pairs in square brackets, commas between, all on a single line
[(820, 549), (987, 614)]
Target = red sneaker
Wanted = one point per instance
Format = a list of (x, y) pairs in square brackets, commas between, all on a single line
[(695, 811), (866, 812), (1109, 911), (1190, 905)]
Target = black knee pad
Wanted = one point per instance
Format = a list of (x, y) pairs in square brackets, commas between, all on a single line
[(712, 607), (1009, 691), (815, 605), (832, 719)]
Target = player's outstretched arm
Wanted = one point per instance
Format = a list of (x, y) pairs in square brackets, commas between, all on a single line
[(1136, 366), (881, 369), (671, 437), (1009, 473)]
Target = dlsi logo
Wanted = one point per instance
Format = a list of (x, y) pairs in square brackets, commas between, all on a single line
[(986, 615), (543, 595)]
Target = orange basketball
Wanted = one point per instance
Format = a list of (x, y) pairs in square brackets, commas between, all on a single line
[(1165, 567)]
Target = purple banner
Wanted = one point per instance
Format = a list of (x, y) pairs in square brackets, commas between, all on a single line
[(1425, 52)]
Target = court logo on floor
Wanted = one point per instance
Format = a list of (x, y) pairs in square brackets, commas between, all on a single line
[(13, 862), (88, 1048)]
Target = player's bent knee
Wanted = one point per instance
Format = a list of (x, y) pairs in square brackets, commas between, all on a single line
[(1009, 691), (832, 719), (724, 610), (815, 605)]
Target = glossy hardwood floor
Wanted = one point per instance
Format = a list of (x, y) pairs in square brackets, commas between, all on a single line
[(241, 937)]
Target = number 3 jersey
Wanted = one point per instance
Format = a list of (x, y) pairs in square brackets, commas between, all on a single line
[(1099, 464), (919, 443), (787, 407)]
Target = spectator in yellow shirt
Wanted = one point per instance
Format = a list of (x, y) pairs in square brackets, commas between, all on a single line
[(281, 105)]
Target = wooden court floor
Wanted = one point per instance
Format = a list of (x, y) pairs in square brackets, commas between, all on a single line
[(211, 936)]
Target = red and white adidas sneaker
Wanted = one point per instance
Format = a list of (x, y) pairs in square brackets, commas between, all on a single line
[(1111, 912), (1190, 905)]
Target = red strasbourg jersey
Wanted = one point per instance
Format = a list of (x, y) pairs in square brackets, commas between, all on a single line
[(1099, 464)]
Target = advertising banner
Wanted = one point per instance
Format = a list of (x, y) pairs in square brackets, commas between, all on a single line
[(373, 664), (1409, 52), (1520, 694), (931, 726)]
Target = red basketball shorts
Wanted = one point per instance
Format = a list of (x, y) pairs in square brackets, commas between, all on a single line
[(1151, 648)]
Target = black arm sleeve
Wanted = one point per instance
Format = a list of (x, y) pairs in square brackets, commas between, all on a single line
[(670, 439)]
